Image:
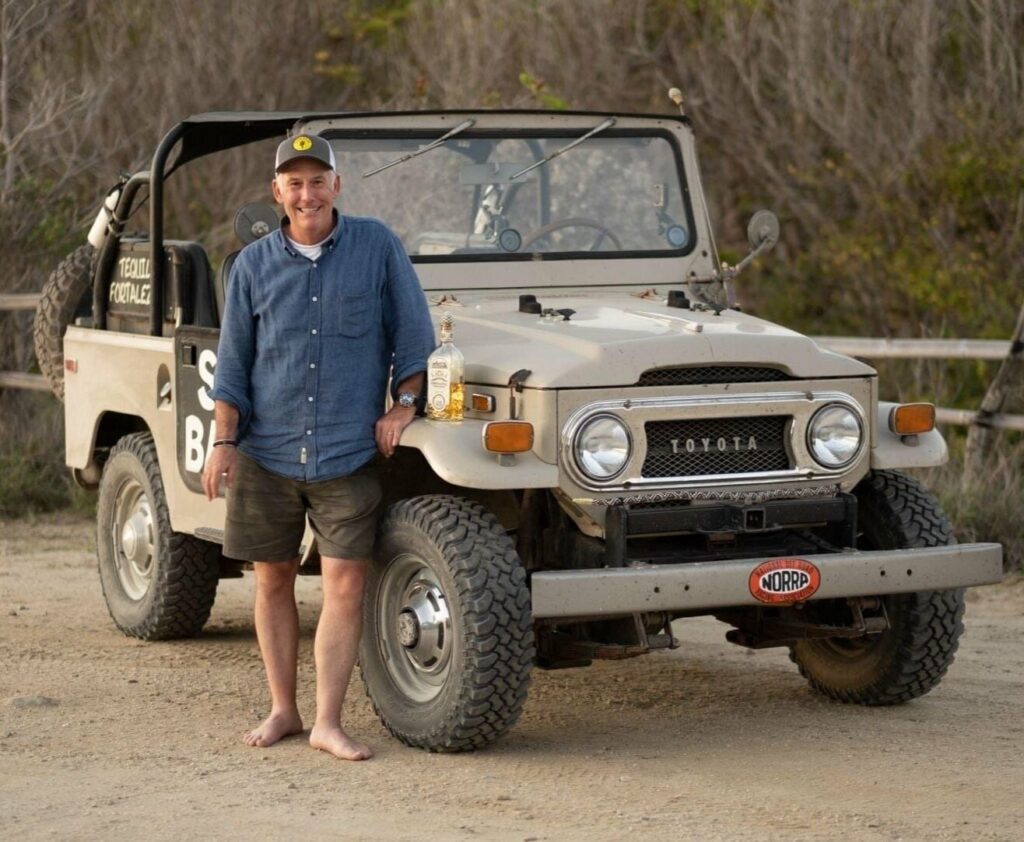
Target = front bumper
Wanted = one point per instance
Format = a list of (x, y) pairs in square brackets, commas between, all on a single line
[(703, 586)]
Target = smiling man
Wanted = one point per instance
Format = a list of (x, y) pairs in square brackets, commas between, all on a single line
[(318, 314)]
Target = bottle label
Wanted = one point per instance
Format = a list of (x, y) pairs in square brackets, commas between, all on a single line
[(439, 390)]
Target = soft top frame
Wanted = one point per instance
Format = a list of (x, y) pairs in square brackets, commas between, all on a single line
[(216, 131)]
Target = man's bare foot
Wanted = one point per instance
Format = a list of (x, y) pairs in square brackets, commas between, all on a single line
[(337, 742), (274, 727)]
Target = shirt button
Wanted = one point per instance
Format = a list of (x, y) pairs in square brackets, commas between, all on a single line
[(310, 399), (309, 432), (315, 265), (312, 365), (314, 331), (314, 298)]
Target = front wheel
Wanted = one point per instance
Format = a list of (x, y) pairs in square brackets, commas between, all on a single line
[(447, 644), (158, 584), (910, 657)]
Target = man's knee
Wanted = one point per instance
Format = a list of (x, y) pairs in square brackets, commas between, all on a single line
[(342, 580), (275, 579)]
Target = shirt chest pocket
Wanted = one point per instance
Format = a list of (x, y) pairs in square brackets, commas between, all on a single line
[(352, 315)]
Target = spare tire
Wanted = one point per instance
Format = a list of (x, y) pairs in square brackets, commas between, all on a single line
[(66, 296)]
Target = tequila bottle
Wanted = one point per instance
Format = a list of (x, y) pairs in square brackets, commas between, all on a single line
[(446, 377)]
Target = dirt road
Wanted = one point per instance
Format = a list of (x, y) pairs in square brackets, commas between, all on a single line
[(141, 740)]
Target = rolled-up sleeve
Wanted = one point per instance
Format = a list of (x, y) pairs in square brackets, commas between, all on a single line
[(236, 350), (410, 333)]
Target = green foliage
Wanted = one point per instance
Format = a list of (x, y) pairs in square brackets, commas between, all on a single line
[(539, 90), (989, 509), (33, 477), (928, 255), (357, 27), (374, 21)]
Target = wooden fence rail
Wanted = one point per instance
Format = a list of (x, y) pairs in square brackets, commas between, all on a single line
[(854, 346), (19, 379), (20, 301), (934, 349), (917, 349)]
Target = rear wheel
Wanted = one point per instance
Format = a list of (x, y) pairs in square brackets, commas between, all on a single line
[(447, 644), (911, 657), (158, 584), (66, 295)]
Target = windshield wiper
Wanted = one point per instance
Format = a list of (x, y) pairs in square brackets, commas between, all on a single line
[(465, 124), (607, 124)]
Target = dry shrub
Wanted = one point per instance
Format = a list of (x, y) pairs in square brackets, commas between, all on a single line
[(33, 477), (988, 509)]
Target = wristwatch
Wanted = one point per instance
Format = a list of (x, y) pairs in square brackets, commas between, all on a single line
[(407, 399)]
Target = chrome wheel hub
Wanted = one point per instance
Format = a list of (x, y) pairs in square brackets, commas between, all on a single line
[(415, 626), (408, 629), (133, 538)]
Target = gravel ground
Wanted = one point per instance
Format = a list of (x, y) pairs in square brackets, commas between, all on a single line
[(106, 737)]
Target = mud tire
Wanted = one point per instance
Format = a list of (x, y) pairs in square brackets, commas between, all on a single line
[(462, 549), (176, 597), (910, 658), (66, 295)]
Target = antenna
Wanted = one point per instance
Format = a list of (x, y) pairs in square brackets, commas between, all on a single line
[(676, 96)]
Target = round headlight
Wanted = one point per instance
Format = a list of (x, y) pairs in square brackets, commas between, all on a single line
[(602, 447), (834, 435)]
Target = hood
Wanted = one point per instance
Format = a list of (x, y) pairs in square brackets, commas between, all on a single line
[(614, 337)]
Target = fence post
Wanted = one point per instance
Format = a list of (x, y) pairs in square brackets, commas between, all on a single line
[(1004, 386)]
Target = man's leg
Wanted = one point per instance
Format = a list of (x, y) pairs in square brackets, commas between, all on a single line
[(337, 638), (277, 629)]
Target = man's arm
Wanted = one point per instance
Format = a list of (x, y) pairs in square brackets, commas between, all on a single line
[(224, 457), (236, 349), (231, 383), (390, 425), (410, 338), (407, 324)]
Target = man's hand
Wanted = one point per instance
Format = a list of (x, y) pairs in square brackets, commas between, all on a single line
[(390, 426), (221, 465)]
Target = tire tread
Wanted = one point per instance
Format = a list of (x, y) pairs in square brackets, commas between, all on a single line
[(58, 303), (934, 619), (497, 624), (185, 588)]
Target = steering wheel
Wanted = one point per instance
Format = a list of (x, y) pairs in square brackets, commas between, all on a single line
[(571, 222)]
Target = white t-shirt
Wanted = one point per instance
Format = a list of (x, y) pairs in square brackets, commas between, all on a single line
[(313, 251)]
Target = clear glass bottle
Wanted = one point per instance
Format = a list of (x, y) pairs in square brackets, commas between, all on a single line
[(446, 376)]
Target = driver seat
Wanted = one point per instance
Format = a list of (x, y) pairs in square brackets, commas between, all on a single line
[(220, 288)]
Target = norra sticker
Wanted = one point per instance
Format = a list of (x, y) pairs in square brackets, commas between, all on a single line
[(784, 580)]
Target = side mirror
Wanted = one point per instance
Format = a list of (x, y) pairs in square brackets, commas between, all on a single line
[(763, 230), (255, 220), (762, 234)]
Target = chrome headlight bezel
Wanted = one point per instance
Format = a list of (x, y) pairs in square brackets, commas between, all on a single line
[(812, 440), (582, 433)]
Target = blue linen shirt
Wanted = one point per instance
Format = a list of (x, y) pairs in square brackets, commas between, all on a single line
[(306, 346)]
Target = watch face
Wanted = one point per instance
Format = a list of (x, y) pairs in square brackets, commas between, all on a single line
[(407, 399)]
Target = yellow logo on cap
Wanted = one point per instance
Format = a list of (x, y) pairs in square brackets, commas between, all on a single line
[(302, 143)]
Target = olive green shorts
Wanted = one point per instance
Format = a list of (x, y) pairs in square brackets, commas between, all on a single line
[(267, 514)]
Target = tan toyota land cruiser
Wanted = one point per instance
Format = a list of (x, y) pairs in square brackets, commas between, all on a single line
[(673, 457)]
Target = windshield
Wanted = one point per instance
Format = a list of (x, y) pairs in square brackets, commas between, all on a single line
[(469, 199)]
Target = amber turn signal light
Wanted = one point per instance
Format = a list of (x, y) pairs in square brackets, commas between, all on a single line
[(508, 436), (912, 418), (482, 403)]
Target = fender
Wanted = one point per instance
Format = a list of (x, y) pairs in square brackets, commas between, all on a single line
[(456, 453), (892, 450)]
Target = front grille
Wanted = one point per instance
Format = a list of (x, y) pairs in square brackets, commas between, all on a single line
[(715, 446), (698, 375)]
